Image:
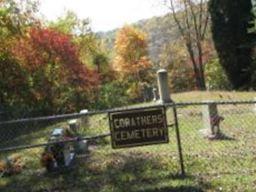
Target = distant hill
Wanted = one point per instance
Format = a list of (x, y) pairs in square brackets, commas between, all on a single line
[(161, 31)]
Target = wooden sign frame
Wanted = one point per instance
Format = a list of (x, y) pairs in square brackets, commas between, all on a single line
[(138, 127)]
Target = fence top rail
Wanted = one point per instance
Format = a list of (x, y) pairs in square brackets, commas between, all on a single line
[(76, 139), (220, 102), (79, 115), (76, 115)]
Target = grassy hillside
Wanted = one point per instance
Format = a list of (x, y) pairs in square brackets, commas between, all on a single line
[(227, 164), (212, 95)]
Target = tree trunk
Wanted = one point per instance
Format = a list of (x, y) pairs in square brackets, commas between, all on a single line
[(199, 77), (201, 67)]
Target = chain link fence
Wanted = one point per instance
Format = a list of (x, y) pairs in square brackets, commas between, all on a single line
[(232, 152)]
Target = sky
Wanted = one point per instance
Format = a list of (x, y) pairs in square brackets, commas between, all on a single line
[(104, 14)]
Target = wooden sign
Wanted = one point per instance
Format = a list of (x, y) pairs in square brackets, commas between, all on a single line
[(138, 127)]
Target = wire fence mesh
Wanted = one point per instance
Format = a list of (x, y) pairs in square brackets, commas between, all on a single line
[(233, 152)]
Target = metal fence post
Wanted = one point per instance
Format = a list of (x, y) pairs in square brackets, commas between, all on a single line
[(178, 140), (254, 105)]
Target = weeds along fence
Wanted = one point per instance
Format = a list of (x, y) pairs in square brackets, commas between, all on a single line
[(233, 151)]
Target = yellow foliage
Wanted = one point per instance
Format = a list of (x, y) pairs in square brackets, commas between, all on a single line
[(131, 51)]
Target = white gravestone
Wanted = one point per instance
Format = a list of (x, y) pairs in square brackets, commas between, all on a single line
[(211, 120), (162, 79)]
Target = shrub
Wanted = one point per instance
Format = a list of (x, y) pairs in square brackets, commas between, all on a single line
[(215, 76), (112, 95)]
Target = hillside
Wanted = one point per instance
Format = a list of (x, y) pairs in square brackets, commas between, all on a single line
[(148, 168), (161, 31)]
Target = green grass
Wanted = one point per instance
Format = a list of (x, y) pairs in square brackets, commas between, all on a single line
[(218, 165), (212, 95)]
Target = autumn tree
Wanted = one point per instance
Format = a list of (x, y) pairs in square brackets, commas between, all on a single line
[(131, 52), (85, 40), (192, 19), (131, 60), (15, 18), (175, 59), (60, 81)]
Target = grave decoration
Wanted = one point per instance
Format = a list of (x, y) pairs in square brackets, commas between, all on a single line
[(11, 166), (60, 154), (215, 126)]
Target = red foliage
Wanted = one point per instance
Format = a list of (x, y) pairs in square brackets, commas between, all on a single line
[(58, 79), (47, 46)]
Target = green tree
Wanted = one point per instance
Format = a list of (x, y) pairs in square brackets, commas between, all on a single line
[(100, 60), (230, 23), (69, 23), (112, 94), (216, 79), (91, 49)]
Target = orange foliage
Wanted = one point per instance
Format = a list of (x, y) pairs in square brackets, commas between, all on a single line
[(57, 75), (46, 46), (131, 51)]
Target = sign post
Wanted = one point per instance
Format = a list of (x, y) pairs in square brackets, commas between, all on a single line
[(138, 127)]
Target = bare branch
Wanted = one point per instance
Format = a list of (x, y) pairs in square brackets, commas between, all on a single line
[(205, 25), (172, 8), (187, 17), (192, 22), (194, 18)]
